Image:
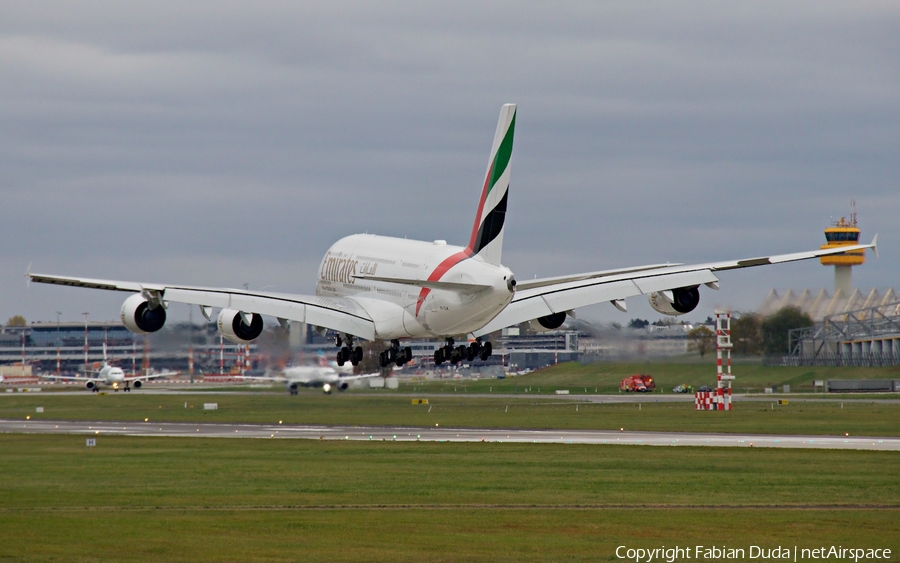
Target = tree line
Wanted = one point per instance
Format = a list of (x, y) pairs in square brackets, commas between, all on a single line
[(753, 334)]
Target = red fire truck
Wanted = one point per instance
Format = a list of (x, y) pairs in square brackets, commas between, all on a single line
[(638, 383)]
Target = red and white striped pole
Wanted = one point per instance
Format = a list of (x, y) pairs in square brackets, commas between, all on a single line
[(723, 344)]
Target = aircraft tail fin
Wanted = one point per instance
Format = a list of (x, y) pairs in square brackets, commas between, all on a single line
[(487, 232)]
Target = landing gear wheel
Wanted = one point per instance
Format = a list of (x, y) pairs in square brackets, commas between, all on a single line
[(340, 359), (357, 356), (438, 356), (486, 351), (337, 340)]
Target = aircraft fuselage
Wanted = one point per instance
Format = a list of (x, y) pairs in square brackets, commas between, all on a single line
[(403, 310)]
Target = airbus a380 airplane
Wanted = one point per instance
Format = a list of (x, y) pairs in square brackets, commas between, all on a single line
[(373, 287)]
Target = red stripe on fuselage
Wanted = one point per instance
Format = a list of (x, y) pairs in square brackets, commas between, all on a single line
[(439, 272)]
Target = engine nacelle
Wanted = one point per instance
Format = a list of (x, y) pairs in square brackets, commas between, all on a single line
[(550, 322), (684, 300), (138, 317), (234, 329), (137, 384), (90, 385), (343, 386)]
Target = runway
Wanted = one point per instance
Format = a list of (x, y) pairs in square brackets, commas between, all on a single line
[(437, 434)]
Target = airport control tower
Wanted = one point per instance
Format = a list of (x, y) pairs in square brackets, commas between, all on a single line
[(843, 233)]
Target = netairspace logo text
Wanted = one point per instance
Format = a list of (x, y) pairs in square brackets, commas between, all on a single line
[(753, 552)]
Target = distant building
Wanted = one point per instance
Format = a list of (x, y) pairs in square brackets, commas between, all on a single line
[(818, 304)]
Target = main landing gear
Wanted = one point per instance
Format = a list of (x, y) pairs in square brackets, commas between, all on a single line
[(395, 354), (454, 355), (347, 353)]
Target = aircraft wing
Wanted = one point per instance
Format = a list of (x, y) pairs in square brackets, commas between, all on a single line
[(340, 314), (153, 376), (360, 376), (72, 377), (539, 298)]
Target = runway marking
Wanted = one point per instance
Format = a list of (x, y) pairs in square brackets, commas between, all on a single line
[(441, 435)]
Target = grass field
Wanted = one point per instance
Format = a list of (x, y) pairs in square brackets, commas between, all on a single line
[(178, 499), (605, 377), (859, 418), (158, 499)]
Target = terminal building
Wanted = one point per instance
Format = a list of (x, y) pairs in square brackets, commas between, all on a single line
[(198, 350), (867, 337)]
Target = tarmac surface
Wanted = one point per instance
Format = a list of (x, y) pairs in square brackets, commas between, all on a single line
[(437, 434)]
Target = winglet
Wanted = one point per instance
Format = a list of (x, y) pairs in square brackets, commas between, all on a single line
[(875, 245), (28, 275)]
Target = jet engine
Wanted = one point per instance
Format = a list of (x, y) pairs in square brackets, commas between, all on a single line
[(137, 384), (139, 317), (233, 327), (675, 302), (550, 322), (90, 385)]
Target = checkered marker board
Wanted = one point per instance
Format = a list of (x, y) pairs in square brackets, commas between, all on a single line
[(716, 400)]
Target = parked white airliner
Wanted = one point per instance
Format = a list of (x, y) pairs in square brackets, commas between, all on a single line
[(317, 377), (110, 376), (327, 376), (373, 287)]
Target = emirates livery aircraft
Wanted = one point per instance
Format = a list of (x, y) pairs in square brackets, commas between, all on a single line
[(383, 288)]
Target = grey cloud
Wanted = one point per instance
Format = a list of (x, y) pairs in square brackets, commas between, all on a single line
[(224, 143)]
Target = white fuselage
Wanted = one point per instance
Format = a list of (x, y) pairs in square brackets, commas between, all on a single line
[(403, 310), (111, 375), (310, 376)]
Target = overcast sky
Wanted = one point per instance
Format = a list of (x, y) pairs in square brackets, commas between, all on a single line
[(223, 143)]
